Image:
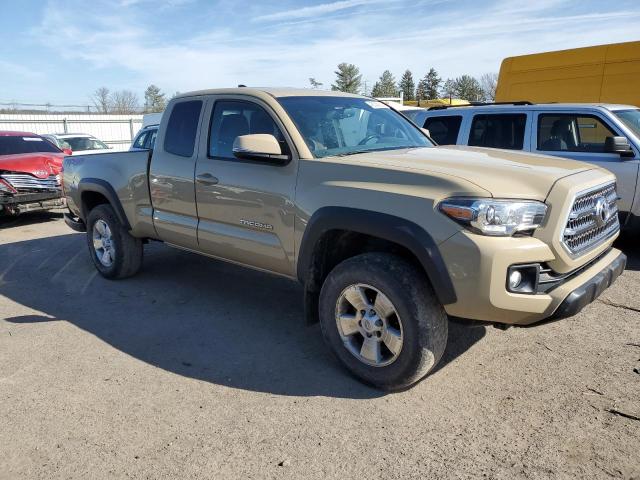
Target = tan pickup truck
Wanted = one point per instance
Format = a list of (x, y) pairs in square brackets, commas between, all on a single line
[(388, 233)]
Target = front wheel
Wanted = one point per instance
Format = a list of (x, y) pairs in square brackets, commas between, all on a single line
[(115, 253), (381, 318)]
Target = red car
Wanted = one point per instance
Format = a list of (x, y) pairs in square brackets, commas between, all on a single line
[(30, 169)]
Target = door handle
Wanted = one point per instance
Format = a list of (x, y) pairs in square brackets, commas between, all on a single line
[(206, 179)]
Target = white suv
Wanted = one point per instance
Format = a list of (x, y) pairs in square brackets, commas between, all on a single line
[(602, 134)]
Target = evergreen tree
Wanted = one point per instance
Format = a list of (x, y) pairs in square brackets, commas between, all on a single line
[(421, 91), (385, 86), (432, 84), (407, 86), (154, 100), (468, 88), (449, 89), (348, 78)]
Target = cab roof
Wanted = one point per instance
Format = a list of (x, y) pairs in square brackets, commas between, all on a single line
[(271, 91)]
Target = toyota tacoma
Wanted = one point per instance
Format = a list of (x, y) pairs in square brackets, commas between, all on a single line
[(388, 233)]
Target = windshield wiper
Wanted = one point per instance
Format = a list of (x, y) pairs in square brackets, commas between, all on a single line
[(355, 152)]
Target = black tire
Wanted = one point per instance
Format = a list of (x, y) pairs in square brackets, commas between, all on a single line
[(424, 321), (127, 249)]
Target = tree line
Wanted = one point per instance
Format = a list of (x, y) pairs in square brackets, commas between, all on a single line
[(348, 79), (126, 102), (430, 87)]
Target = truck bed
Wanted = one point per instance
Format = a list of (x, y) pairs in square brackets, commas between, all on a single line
[(123, 175)]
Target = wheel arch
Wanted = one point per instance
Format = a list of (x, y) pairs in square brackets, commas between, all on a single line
[(95, 191), (329, 225)]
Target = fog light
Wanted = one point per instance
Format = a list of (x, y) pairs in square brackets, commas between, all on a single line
[(523, 278), (514, 279)]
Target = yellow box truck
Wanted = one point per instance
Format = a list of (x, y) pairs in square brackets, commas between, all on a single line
[(599, 74)]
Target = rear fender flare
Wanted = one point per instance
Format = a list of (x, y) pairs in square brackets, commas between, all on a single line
[(105, 189)]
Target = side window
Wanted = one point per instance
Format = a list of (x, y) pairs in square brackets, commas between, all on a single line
[(232, 119), (182, 128), (151, 139), (139, 143), (498, 131), (444, 130), (572, 133)]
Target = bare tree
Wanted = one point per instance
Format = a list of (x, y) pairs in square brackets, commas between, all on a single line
[(102, 100), (314, 83), (124, 102), (489, 83)]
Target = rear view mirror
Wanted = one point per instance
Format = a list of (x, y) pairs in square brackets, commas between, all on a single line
[(67, 151), (261, 147), (619, 145)]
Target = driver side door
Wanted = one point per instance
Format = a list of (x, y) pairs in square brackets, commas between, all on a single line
[(245, 207)]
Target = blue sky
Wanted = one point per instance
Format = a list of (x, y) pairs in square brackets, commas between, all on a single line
[(60, 51)]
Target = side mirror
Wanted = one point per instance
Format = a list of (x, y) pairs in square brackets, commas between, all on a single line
[(67, 151), (260, 147), (619, 145), (426, 132)]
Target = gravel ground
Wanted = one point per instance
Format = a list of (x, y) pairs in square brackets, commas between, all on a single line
[(199, 369)]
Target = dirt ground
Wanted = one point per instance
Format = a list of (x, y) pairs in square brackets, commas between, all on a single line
[(199, 369)]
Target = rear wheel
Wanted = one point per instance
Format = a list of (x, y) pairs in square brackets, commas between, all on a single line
[(380, 317), (115, 253)]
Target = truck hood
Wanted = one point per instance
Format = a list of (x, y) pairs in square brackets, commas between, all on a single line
[(503, 173), (40, 165)]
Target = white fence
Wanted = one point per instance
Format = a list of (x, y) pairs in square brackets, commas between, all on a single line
[(115, 130), (399, 99)]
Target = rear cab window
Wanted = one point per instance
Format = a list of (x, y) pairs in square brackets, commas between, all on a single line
[(444, 129), (500, 130), (182, 128)]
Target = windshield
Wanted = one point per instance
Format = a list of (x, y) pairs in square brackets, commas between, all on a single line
[(416, 116), (15, 145), (631, 118), (85, 143), (345, 126)]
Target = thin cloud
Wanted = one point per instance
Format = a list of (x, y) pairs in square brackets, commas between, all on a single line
[(314, 11), (134, 52)]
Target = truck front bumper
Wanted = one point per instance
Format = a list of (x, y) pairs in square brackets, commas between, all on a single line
[(478, 267), (591, 289)]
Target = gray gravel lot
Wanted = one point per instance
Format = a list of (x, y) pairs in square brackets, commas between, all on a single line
[(200, 369)]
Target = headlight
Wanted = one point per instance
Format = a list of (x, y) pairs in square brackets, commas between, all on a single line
[(496, 217)]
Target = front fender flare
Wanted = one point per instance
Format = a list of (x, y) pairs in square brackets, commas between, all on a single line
[(388, 227)]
